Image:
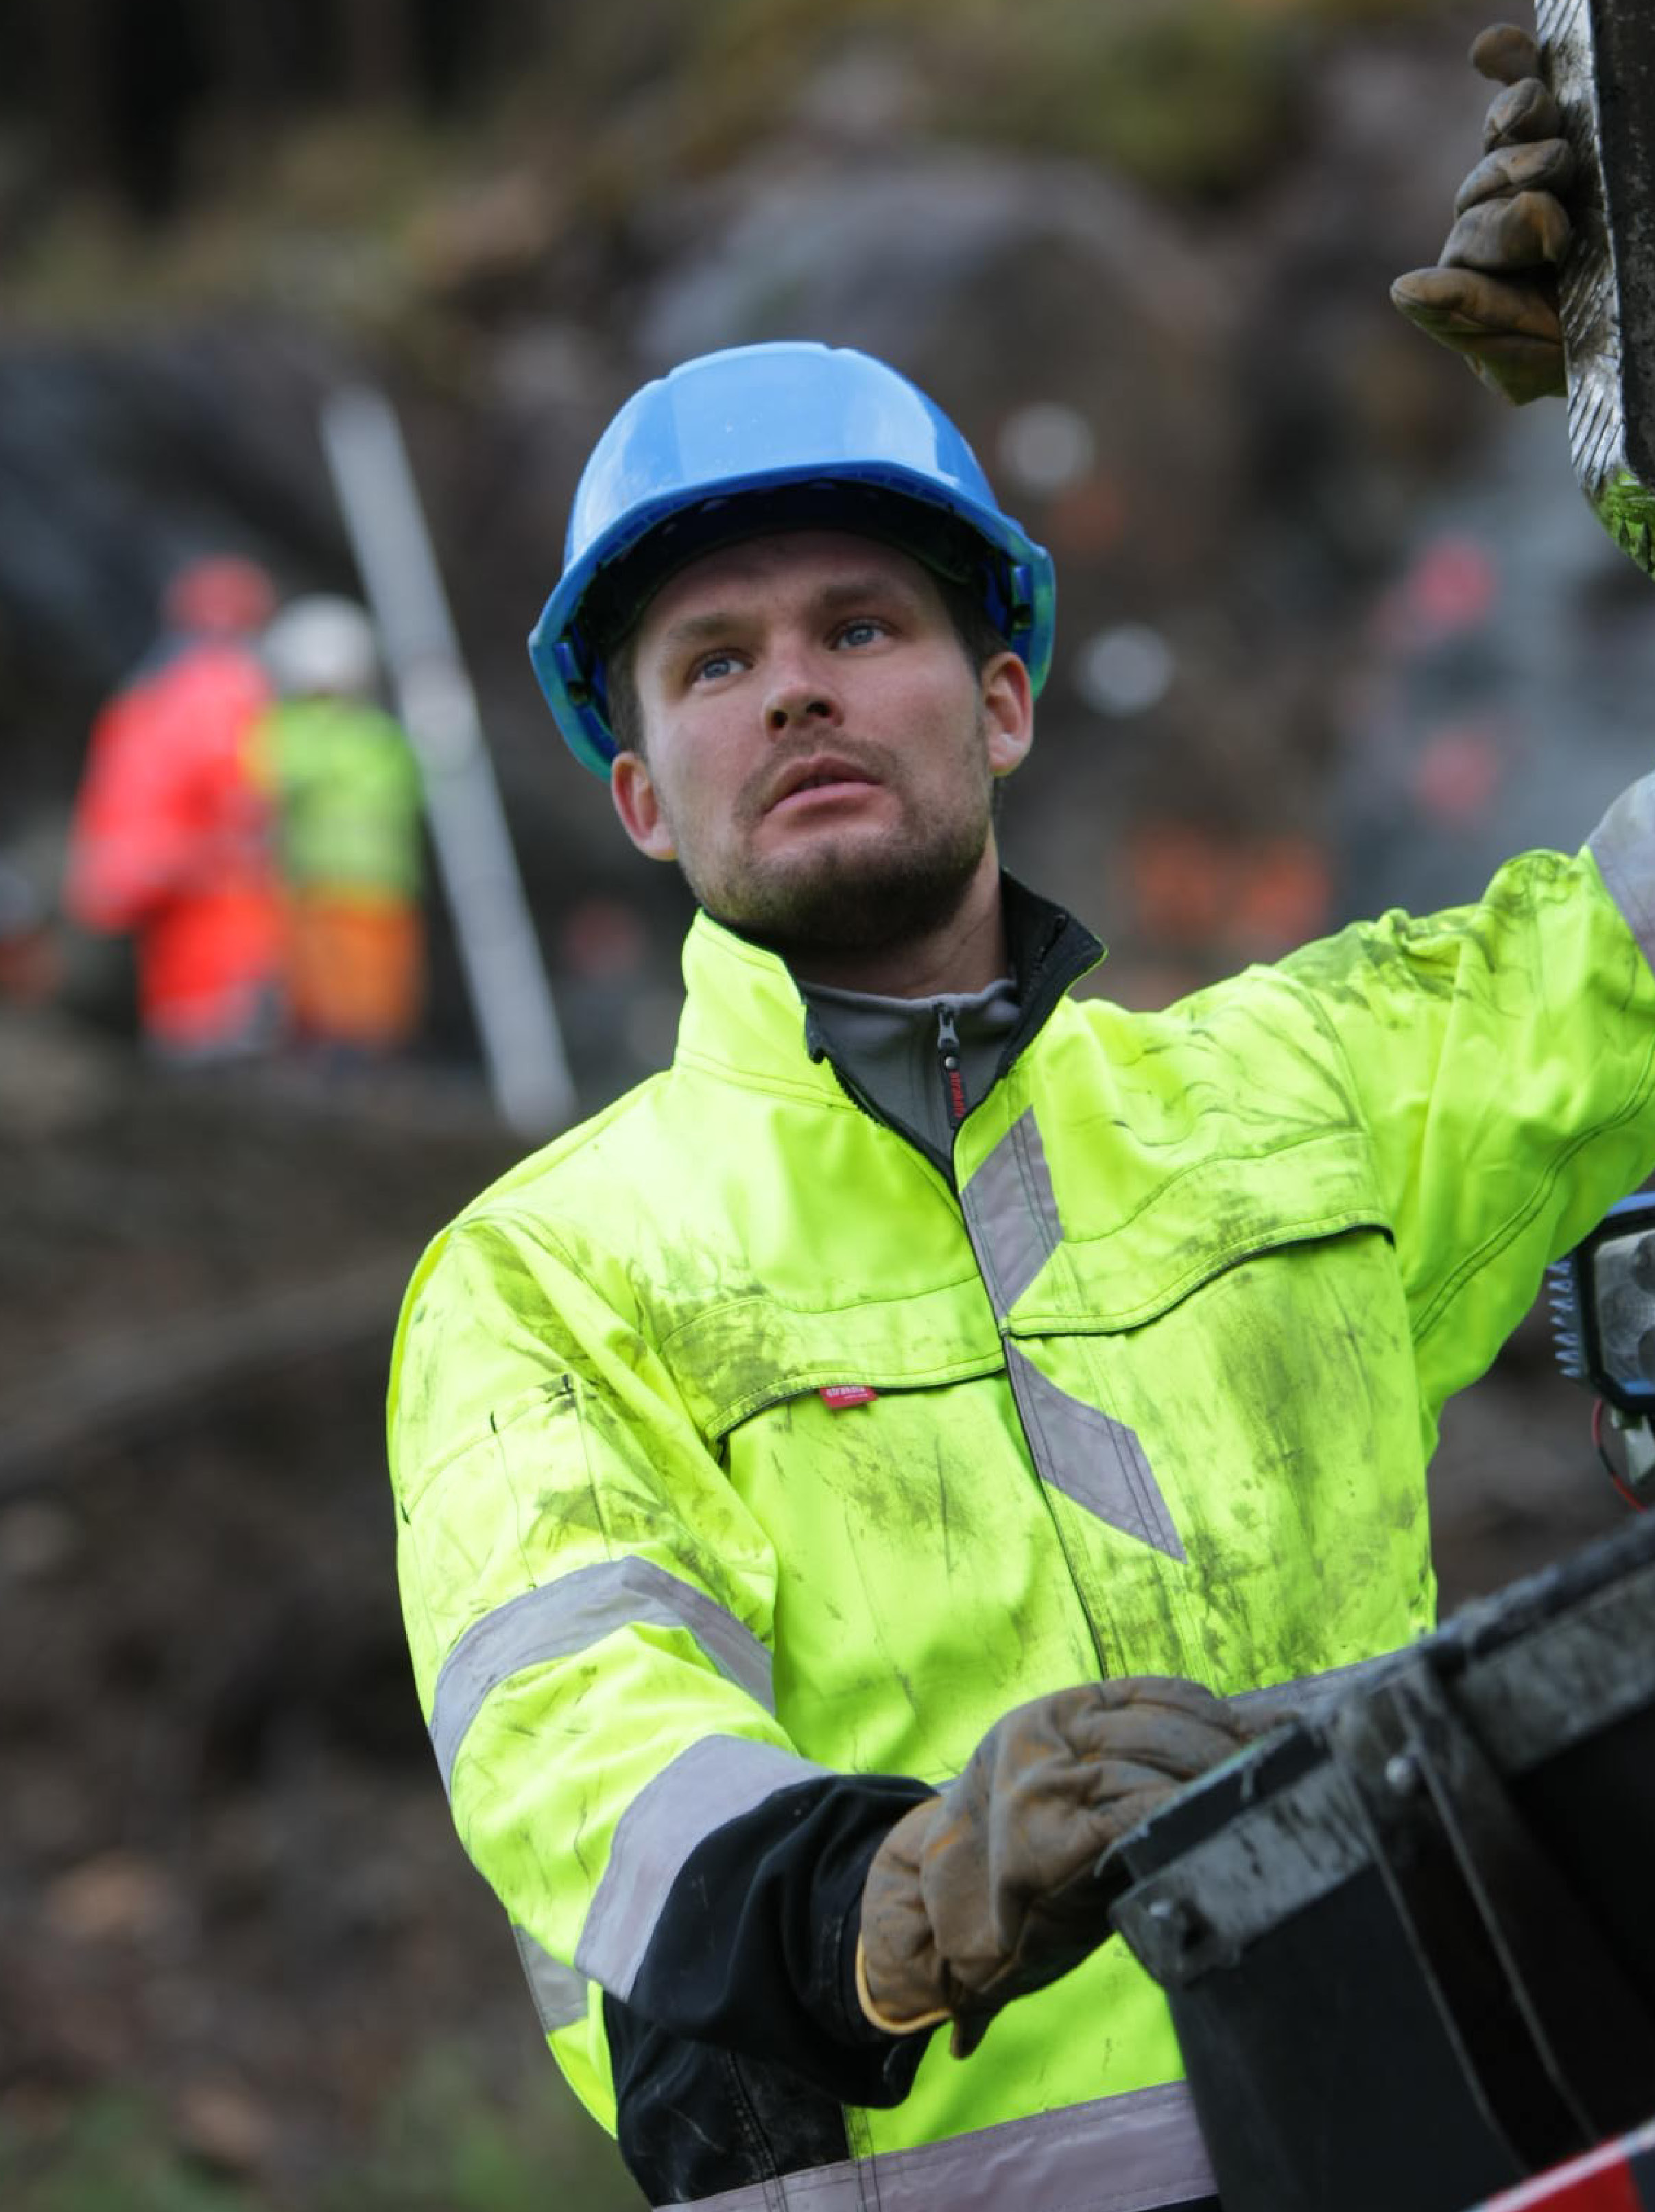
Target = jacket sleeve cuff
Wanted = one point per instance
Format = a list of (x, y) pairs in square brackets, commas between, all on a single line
[(871, 2011)]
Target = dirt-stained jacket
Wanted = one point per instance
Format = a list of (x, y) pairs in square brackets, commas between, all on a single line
[(750, 1461)]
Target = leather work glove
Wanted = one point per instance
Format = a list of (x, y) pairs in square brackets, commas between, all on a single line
[(1493, 295), (991, 1889)]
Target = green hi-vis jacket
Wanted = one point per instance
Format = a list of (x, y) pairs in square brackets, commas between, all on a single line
[(1159, 1360), (348, 797)]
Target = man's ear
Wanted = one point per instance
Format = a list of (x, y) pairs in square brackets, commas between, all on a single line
[(1008, 710), (636, 802)]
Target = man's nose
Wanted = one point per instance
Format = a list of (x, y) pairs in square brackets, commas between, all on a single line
[(798, 696)]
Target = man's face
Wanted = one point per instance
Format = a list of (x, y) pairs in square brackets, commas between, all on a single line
[(820, 752)]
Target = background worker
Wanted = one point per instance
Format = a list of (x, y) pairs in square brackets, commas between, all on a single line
[(171, 836), (847, 1482), (346, 794)]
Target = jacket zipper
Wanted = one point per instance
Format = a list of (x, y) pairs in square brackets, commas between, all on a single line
[(954, 1083), (1047, 979)]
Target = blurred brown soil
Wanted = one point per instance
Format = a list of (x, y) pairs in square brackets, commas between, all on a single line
[(228, 1875)]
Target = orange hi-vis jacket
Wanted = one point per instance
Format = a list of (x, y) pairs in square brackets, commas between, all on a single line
[(172, 841)]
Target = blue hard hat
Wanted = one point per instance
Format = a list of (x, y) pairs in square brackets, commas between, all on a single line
[(786, 435)]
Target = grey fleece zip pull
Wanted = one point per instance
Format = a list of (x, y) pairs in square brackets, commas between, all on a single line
[(953, 1082)]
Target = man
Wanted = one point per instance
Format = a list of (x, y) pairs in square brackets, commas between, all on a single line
[(847, 1482), (172, 836), (346, 792)]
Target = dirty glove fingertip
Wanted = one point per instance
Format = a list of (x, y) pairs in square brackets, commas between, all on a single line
[(1507, 52)]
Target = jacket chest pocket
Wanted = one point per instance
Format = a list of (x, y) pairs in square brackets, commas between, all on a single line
[(920, 1589), (1254, 1509)]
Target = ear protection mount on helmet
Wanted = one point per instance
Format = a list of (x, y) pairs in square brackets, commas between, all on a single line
[(757, 439)]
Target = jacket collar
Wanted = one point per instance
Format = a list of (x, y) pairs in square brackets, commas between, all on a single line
[(1050, 950), (743, 1014)]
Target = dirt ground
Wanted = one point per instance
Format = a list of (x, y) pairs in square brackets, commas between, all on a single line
[(227, 1877)]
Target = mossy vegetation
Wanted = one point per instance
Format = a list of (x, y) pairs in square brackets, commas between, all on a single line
[(1187, 96), (326, 211)]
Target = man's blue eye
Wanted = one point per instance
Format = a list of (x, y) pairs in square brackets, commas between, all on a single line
[(860, 632), (715, 664)]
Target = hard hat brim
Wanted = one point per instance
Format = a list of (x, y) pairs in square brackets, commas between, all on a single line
[(600, 596)]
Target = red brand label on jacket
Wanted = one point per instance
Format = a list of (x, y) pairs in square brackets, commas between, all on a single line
[(836, 1395)]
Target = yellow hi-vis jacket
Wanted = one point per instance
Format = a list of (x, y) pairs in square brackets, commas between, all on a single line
[(745, 1457)]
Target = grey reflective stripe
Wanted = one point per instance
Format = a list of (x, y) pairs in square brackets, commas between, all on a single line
[(1623, 846), (560, 1994), (1133, 2153), (571, 1614), (1011, 1213), (1096, 1461), (716, 1780)]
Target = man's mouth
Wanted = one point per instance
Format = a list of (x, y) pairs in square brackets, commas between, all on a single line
[(825, 774)]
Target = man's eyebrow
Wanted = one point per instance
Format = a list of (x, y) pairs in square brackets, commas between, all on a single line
[(697, 629), (717, 622), (845, 591)]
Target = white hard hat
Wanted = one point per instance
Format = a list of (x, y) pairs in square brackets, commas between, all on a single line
[(322, 643)]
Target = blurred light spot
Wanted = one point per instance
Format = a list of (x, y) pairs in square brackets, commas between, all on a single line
[(1087, 519), (1046, 446), (1125, 671), (602, 940), (1282, 895), (1174, 873), (1457, 776), (1453, 587), (1449, 588), (1193, 888)]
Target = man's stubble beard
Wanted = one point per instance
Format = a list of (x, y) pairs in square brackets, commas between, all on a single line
[(856, 895)]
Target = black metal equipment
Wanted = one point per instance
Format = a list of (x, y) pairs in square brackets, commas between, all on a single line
[(1603, 1303), (1408, 1940), (1599, 59)]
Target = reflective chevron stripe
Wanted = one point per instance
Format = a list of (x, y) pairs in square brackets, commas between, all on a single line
[(1011, 1213), (1090, 1457), (1012, 1219)]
